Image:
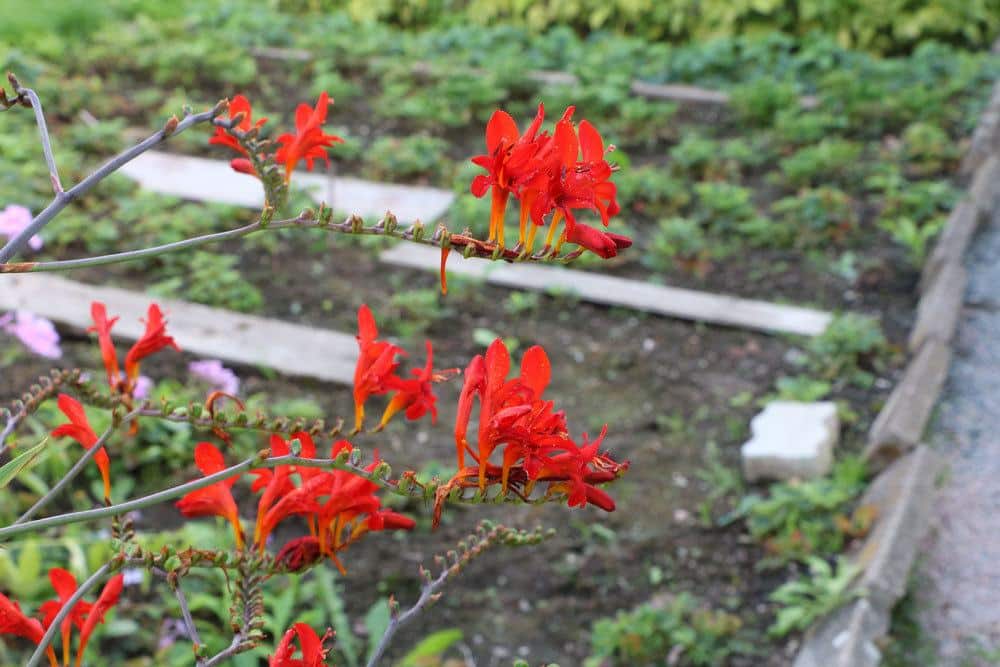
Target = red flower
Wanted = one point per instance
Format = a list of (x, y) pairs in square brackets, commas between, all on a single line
[(80, 430), (340, 508), (153, 340), (532, 437), (105, 601), (64, 584), (14, 622), (102, 326), (309, 141), (222, 137), (215, 499), (311, 645), (376, 365), (415, 395), (277, 483)]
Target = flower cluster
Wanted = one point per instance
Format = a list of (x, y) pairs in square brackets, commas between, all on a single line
[(375, 375), (549, 174), (339, 506), (84, 616), (309, 142), (532, 437)]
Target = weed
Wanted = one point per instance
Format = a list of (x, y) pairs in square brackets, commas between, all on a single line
[(807, 599), (849, 348)]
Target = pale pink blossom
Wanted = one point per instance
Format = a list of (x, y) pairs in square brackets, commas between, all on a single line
[(37, 333), (214, 373), (143, 385), (13, 219)]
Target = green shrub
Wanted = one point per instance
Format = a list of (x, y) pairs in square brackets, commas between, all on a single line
[(644, 635), (408, 158), (848, 349), (798, 519), (927, 148), (651, 190), (816, 216), (724, 206), (676, 241), (757, 102), (829, 160)]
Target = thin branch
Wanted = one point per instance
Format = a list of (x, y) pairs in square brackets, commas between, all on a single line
[(194, 485), (235, 646), (75, 470), (427, 594), (352, 225), (487, 536), (43, 133), (84, 588), (64, 198), (175, 586)]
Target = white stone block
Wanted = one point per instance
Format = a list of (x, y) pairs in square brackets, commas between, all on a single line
[(791, 439)]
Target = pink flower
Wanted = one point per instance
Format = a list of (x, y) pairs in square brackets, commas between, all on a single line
[(37, 333), (214, 373), (143, 385), (13, 219)]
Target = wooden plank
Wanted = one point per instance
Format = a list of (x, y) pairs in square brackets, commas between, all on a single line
[(201, 179), (670, 301), (209, 332)]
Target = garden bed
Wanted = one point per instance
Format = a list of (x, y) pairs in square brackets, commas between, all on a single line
[(831, 207)]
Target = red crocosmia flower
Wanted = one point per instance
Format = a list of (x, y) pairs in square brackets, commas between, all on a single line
[(311, 645), (105, 601), (340, 507), (415, 395), (239, 105), (376, 365), (64, 584), (102, 326), (14, 622), (216, 499), (153, 340), (512, 161), (80, 430), (277, 483), (309, 141)]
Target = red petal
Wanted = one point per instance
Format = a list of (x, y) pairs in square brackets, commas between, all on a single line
[(499, 128), (367, 331), (208, 458), (480, 184), (536, 371), (591, 142)]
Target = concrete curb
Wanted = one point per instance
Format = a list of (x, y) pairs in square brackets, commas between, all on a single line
[(904, 489)]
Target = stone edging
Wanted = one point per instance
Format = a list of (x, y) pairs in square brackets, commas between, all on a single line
[(903, 490)]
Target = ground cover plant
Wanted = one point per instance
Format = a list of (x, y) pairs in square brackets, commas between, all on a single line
[(746, 199)]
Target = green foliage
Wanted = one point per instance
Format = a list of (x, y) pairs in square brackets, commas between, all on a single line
[(757, 102), (721, 480), (675, 240), (213, 280), (882, 27), (650, 190), (927, 148), (806, 600), (815, 217), (800, 518), (912, 236), (724, 206), (408, 158), (430, 649), (829, 160), (849, 348), (795, 127), (644, 635), (705, 159), (802, 388)]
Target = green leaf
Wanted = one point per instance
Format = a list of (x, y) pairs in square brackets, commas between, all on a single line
[(432, 646), (19, 463), (376, 621)]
